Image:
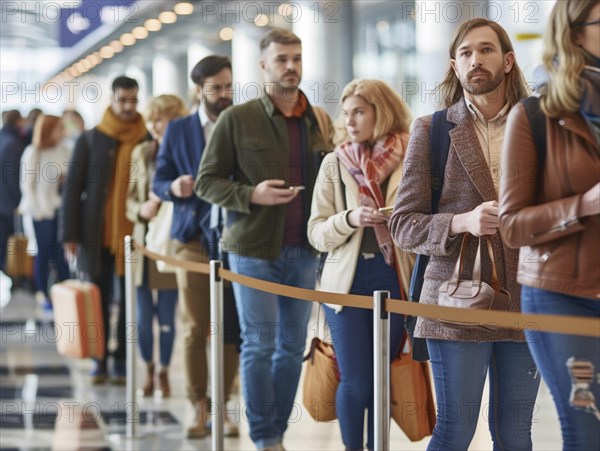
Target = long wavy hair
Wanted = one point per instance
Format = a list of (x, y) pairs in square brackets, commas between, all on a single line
[(43, 132), (563, 92), (391, 113), (451, 91)]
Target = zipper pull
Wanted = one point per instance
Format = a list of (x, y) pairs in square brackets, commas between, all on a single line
[(545, 256)]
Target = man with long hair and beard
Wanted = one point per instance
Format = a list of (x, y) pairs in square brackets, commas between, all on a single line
[(482, 83), (177, 163)]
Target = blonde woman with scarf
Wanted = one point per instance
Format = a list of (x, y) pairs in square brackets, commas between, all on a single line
[(355, 181)]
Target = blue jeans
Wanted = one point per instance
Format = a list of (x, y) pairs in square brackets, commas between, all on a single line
[(273, 330), (49, 253), (459, 373), (352, 337), (580, 428), (165, 310)]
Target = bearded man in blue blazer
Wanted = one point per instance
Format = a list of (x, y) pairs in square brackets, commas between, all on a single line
[(177, 164)]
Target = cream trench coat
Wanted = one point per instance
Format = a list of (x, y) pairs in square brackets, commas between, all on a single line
[(137, 194), (328, 227)]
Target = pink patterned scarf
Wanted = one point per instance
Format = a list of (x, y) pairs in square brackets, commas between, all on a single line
[(370, 168)]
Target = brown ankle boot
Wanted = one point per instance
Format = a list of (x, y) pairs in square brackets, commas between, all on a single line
[(163, 382), (198, 427), (149, 386)]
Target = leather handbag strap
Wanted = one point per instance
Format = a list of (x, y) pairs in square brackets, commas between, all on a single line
[(495, 279), (476, 277), (317, 333), (459, 263)]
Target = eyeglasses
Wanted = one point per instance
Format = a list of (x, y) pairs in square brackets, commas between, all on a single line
[(126, 100), (585, 24)]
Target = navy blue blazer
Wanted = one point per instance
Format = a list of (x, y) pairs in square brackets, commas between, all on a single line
[(179, 154)]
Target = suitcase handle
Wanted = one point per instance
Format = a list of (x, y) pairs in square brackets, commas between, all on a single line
[(75, 273)]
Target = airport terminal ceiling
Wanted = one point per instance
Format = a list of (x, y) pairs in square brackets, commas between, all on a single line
[(49, 46)]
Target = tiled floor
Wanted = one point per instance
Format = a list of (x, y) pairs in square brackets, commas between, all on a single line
[(46, 402)]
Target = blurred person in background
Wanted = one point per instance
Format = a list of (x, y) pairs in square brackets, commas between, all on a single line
[(11, 150), (27, 130), (552, 210), (93, 224), (142, 206), (74, 126), (177, 164), (44, 167)]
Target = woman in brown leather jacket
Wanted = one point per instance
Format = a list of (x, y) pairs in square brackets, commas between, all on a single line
[(550, 202)]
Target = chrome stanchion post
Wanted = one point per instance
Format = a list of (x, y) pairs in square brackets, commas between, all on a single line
[(216, 353), (131, 421), (381, 379)]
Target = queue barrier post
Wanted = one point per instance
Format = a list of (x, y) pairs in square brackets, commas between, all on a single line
[(381, 370), (216, 353), (132, 421)]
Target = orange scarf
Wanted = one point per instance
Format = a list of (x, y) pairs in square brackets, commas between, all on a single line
[(116, 226)]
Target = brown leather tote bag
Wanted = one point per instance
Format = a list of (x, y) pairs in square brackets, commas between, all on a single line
[(473, 294), (321, 379)]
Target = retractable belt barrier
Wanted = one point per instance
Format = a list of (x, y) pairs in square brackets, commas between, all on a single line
[(380, 303), (571, 325)]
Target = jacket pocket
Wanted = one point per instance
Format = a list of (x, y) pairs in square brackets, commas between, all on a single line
[(256, 145), (554, 258), (185, 223), (259, 162)]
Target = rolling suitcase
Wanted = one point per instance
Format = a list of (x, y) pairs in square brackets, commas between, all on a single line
[(18, 262), (78, 319)]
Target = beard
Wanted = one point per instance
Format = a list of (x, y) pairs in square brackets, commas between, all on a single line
[(483, 85), (216, 108), (287, 84)]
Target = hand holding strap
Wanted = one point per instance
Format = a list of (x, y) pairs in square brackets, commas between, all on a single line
[(476, 277)]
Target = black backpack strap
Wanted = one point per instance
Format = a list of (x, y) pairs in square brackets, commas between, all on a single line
[(537, 122), (439, 146)]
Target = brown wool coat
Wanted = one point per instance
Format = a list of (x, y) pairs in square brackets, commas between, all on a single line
[(467, 184)]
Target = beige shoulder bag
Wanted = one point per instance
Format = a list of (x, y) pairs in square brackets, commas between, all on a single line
[(473, 294)]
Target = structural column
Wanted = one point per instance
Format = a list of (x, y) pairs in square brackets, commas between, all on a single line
[(436, 22), (168, 76), (245, 57), (325, 28)]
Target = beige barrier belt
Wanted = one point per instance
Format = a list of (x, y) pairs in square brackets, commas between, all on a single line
[(346, 300), (508, 320), (201, 268), (571, 325)]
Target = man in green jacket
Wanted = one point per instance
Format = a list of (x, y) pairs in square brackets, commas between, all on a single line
[(261, 164)]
